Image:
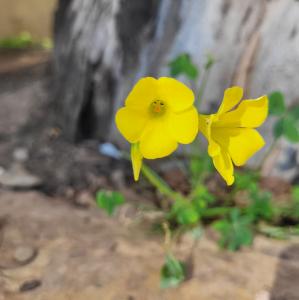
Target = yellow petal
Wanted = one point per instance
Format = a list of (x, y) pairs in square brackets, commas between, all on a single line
[(177, 95), (184, 126), (241, 143), (224, 166), (130, 123), (231, 98), (136, 158), (205, 122), (143, 93), (156, 141), (250, 113)]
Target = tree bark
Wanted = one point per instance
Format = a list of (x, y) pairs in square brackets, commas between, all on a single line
[(102, 47)]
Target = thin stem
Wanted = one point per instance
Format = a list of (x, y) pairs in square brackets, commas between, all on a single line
[(159, 183), (203, 86)]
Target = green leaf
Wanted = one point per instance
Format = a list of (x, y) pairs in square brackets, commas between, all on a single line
[(278, 129), (295, 193), (260, 207), (287, 127), (276, 104), (199, 165), (172, 272), (23, 40), (184, 213), (183, 65), (294, 112), (235, 231), (245, 181), (291, 130), (109, 201)]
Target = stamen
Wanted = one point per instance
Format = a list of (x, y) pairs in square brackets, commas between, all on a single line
[(157, 108)]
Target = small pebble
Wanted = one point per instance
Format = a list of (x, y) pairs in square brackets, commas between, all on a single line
[(25, 254), (30, 285)]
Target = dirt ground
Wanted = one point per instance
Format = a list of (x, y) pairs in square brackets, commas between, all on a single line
[(56, 244)]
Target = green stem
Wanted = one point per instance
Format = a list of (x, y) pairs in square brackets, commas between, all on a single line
[(217, 211), (203, 86), (159, 183)]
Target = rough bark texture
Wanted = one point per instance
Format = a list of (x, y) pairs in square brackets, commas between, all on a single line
[(95, 42), (104, 46)]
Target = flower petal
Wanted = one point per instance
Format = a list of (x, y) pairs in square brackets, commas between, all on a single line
[(232, 96), (205, 122), (241, 143), (224, 166), (177, 95), (250, 113), (184, 126), (136, 158), (143, 93), (130, 123), (156, 141)]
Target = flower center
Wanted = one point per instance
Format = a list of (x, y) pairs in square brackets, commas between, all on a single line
[(157, 108)]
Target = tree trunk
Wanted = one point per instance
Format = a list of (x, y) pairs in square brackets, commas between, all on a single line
[(102, 47)]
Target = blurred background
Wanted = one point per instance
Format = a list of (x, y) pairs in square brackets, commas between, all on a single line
[(66, 66)]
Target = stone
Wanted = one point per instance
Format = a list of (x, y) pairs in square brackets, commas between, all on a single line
[(84, 199), (25, 254), (20, 154), (17, 177)]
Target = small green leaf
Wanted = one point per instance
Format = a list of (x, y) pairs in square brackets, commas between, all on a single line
[(172, 272), (294, 112), (109, 201), (278, 129), (21, 41), (287, 127), (183, 64), (184, 213), (261, 207), (235, 231), (291, 130), (245, 181), (295, 193), (276, 104)]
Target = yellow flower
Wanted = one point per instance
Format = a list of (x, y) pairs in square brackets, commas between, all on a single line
[(158, 114), (230, 132)]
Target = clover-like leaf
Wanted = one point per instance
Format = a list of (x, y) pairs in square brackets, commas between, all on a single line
[(183, 64), (109, 200), (235, 231), (276, 104), (172, 272)]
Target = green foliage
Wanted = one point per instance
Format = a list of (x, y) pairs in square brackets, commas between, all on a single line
[(294, 211), (108, 201), (288, 123), (183, 65), (24, 41), (276, 103), (245, 180), (294, 112), (260, 207), (295, 193), (200, 166), (287, 127), (184, 213), (201, 199), (235, 231), (172, 272)]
